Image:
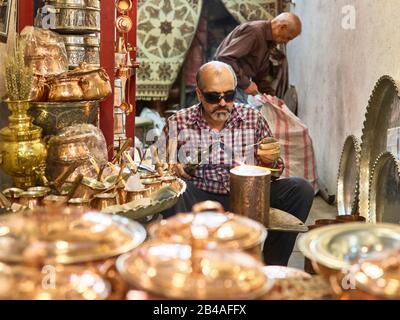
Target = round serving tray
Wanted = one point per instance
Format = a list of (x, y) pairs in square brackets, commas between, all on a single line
[(384, 197), (383, 114), (348, 177)]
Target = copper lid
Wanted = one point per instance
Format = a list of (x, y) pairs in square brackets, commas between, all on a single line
[(179, 271), (51, 283), (55, 235), (227, 230)]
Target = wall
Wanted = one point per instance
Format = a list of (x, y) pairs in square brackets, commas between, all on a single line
[(335, 70), (4, 179)]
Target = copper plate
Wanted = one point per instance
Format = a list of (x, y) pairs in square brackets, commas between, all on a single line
[(179, 272), (384, 197), (348, 177), (383, 113)]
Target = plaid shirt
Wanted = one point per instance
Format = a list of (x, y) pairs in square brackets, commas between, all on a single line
[(208, 154)]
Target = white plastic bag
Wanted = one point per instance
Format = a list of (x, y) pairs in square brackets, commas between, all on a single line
[(297, 149)]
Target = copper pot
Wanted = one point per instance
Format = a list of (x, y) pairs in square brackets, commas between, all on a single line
[(228, 231), (80, 204), (44, 190), (13, 194), (350, 218), (153, 184), (90, 240), (65, 89), (104, 200), (32, 199), (53, 200), (137, 194), (95, 83)]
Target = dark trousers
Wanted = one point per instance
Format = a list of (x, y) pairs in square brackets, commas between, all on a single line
[(293, 195)]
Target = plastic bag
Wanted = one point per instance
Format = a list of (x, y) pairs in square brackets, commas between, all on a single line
[(45, 51), (297, 149)]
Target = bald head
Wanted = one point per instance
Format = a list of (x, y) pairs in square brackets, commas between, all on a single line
[(214, 70), (285, 27)]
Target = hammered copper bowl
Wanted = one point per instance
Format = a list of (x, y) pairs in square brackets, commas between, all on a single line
[(334, 249), (52, 117)]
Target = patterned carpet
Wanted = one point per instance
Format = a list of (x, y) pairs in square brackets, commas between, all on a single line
[(165, 31)]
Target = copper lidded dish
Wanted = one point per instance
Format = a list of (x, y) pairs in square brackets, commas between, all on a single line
[(181, 271), (336, 248), (228, 231), (64, 236)]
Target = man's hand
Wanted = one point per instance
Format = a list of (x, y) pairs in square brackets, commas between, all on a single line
[(252, 89), (178, 170), (269, 150)]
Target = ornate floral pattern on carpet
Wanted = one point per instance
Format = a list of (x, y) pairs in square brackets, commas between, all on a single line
[(250, 10), (165, 31)]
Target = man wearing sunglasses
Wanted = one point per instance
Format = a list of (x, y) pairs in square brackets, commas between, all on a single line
[(252, 51), (203, 142)]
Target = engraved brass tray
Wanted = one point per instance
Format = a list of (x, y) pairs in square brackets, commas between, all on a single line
[(384, 200), (383, 113), (348, 177), (55, 116)]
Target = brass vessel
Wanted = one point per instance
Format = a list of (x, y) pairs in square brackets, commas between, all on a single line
[(22, 152)]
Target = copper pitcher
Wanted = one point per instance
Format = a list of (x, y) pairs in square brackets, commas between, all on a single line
[(104, 200)]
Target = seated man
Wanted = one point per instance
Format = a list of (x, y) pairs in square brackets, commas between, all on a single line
[(205, 141)]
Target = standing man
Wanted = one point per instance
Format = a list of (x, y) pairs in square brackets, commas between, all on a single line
[(251, 49), (224, 134)]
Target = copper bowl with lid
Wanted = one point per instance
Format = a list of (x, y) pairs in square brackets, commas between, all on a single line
[(335, 249), (183, 271), (52, 283), (68, 237), (225, 230)]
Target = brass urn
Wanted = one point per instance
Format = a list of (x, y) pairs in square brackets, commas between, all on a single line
[(22, 152)]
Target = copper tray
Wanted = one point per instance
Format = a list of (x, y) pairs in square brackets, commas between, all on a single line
[(383, 113), (384, 198), (348, 177)]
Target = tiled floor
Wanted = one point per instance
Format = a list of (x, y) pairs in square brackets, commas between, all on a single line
[(319, 210)]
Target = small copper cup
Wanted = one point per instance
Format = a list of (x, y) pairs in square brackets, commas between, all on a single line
[(153, 184), (350, 218), (13, 194), (81, 204), (326, 222), (104, 200), (137, 194), (31, 199), (45, 190), (53, 200)]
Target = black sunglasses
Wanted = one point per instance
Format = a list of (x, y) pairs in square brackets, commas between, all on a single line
[(216, 97)]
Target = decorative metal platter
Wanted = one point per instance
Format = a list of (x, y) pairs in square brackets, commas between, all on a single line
[(348, 177), (382, 121), (384, 196), (142, 208)]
